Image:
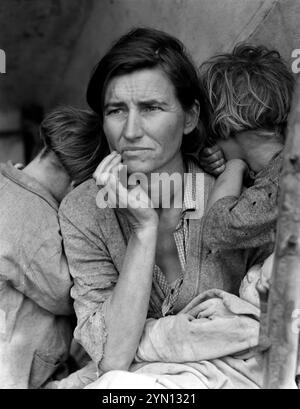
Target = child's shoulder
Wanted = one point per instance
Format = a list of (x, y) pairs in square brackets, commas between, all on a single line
[(272, 170)]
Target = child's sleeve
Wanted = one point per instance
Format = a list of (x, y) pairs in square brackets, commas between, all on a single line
[(247, 221)]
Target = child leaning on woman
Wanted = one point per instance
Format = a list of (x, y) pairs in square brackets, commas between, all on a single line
[(249, 95)]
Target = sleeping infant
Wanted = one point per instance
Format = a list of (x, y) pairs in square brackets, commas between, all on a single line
[(256, 281)]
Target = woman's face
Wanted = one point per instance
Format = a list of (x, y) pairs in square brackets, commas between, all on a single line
[(144, 121)]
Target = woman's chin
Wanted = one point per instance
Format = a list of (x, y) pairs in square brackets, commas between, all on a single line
[(137, 166)]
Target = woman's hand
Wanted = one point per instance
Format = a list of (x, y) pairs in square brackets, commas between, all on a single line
[(212, 160), (135, 201)]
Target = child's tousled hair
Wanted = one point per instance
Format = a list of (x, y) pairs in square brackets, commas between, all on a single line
[(75, 137), (248, 89)]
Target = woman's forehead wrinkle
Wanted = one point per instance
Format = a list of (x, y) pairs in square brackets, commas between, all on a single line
[(139, 88)]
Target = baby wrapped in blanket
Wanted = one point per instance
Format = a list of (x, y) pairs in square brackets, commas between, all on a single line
[(210, 344)]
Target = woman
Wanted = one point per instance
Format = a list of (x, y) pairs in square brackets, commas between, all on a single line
[(142, 259)]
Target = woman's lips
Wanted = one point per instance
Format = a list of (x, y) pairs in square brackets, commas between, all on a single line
[(134, 151)]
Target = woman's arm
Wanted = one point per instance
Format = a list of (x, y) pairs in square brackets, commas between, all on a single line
[(188, 337), (126, 310), (110, 301)]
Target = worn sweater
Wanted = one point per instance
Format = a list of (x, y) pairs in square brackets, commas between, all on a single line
[(35, 332), (95, 243)]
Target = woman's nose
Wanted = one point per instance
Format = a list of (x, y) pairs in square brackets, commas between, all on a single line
[(132, 127)]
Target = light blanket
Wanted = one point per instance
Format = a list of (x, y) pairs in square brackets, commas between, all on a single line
[(185, 351)]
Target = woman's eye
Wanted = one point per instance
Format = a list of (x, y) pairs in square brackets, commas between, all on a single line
[(151, 108), (116, 111)]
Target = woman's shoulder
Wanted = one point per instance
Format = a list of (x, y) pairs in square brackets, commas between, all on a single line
[(81, 203), (84, 193)]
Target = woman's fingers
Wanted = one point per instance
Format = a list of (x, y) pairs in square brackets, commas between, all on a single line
[(112, 175), (106, 161), (103, 165), (117, 193), (116, 160), (111, 167)]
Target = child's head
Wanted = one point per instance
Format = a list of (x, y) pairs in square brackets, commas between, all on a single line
[(248, 89), (73, 137)]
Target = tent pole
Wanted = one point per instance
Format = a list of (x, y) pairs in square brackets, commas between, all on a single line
[(283, 313)]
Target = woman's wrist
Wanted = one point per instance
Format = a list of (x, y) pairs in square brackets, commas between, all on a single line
[(146, 231)]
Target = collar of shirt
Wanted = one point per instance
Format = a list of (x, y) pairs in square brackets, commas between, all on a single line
[(189, 196), (171, 292), (19, 177)]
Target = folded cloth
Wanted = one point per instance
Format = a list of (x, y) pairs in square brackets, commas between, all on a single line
[(185, 351), (77, 380), (186, 338)]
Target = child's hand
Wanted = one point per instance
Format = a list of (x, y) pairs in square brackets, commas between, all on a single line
[(213, 308), (212, 160)]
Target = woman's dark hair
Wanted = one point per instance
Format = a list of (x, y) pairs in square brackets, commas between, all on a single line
[(75, 136), (149, 48)]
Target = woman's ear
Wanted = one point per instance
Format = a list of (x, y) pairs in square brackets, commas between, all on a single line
[(191, 118)]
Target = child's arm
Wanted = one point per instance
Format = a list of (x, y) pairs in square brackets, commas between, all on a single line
[(247, 221), (229, 183)]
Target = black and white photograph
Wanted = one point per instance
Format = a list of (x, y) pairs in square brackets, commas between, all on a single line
[(149, 197)]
